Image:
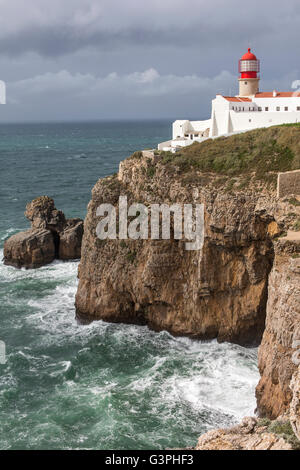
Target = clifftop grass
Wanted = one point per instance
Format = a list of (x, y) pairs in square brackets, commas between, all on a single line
[(261, 153)]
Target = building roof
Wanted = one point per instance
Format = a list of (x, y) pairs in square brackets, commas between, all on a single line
[(279, 94), (237, 99), (249, 56), (268, 94)]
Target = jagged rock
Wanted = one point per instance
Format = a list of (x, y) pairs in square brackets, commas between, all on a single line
[(246, 436), (295, 403), (51, 236), (30, 249), (43, 214), (70, 240)]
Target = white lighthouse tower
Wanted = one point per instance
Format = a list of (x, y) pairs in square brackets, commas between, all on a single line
[(249, 68)]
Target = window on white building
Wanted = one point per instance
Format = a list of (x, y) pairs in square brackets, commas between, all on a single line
[(298, 108), (250, 120), (286, 108), (277, 108), (266, 108), (259, 108)]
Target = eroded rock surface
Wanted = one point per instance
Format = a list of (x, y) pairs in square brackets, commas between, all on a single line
[(51, 236), (217, 292), (281, 339), (249, 435), (30, 249), (70, 239), (295, 403)]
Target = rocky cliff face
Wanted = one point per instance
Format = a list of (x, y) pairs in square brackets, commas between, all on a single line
[(217, 292), (278, 353)]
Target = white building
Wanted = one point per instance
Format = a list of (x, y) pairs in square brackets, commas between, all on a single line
[(250, 109)]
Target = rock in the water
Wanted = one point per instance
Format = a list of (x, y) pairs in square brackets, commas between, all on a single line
[(51, 236), (70, 240), (43, 214), (30, 249)]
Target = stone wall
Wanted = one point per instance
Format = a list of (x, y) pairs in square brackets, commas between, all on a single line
[(288, 183)]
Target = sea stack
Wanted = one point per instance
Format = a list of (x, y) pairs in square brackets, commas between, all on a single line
[(50, 237)]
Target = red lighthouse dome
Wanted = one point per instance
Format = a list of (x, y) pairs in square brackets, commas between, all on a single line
[(249, 65), (249, 55)]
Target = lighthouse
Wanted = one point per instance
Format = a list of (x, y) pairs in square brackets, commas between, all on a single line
[(250, 109), (249, 68)]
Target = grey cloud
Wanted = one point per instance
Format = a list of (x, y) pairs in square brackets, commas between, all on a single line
[(146, 83), (77, 59), (72, 25)]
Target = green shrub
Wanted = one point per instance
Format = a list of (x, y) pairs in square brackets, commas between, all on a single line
[(131, 256), (294, 202), (151, 171), (296, 226), (137, 155), (284, 429), (264, 422)]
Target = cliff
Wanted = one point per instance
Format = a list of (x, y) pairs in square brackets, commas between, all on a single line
[(245, 276)]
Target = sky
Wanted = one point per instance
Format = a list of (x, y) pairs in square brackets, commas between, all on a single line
[(132, 59)]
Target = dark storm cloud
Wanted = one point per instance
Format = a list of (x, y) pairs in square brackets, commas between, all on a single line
[(110, 58), (58, 28)]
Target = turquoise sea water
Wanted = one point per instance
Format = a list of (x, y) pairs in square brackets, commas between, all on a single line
[(98, 386)]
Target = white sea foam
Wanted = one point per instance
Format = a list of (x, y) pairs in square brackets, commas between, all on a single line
[(197, 384)]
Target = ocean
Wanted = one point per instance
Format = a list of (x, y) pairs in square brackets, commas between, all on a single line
[(97, 386)]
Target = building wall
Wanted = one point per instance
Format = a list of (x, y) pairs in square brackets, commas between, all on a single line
[(164, 145), (253, 120), (179, 128), (219, 116), (288, 183), (272, 103), (248, 86)]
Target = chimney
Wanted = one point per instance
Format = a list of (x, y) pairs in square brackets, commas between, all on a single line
[(275, 93)]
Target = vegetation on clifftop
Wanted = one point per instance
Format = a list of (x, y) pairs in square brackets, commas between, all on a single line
[(260, 153)]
